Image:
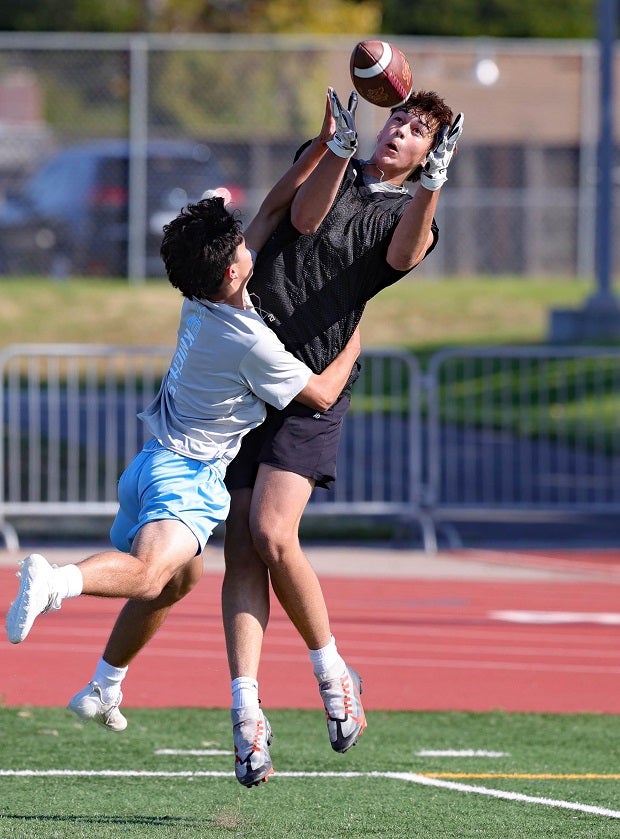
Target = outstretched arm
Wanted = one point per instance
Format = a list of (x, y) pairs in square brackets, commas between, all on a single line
[(315, 197), (413, 237), (279, 198), (323, 390)]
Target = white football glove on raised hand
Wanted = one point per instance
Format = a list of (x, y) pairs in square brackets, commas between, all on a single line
[(434, 173), (344, 141)]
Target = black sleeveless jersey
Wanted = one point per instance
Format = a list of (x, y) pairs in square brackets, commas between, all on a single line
[(312, 289)]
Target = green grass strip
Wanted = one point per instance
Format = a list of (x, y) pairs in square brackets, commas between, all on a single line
[(420, 774)]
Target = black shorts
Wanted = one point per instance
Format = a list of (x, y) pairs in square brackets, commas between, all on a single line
[(296, 439)]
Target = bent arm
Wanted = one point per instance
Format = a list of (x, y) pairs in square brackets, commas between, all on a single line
[(413, 235), (279, 198), (324, 389), (315, 197)]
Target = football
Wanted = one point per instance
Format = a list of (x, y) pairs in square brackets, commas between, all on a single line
[(381, 73)]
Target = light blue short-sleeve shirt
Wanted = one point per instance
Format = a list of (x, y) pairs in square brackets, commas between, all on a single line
[(226, 365)]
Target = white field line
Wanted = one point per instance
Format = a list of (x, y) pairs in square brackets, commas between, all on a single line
[(555, 635), (428, 663), (193, 752), (546, 618), (409, 777), (553, 648), (609, 570), (508, 796), (460, 753)]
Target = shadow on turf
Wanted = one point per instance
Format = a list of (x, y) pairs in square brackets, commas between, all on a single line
[(152, 821)]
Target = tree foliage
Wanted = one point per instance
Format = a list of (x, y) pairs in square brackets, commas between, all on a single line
[(491, 18), (71, 15), (269, 16), (200, 16)]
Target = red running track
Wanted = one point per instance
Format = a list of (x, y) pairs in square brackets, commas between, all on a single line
[(419, 644)]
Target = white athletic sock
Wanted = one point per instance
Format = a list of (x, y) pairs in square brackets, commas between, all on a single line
[(244, 692), (68, 581), (327, 662), (109, 679)]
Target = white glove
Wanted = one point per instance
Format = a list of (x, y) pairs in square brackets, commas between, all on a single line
[(434, 173), (344, 141)]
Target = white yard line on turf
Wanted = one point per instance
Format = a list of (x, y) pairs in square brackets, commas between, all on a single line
[(396, 776), (498, 793), (460, 753)]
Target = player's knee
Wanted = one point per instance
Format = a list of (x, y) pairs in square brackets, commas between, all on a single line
[(181, 584), (152, 588), (149, 581), (270, 543)]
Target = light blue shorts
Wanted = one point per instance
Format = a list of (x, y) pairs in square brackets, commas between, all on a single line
[(160, 484)]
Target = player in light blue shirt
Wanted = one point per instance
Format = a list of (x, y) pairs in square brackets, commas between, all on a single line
[(226, 364)]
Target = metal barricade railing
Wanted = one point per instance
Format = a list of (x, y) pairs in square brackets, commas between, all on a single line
[(69, 426), (380, 465), (523, 432), (528, 433)]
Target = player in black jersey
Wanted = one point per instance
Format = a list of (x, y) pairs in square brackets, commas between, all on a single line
[(353, 229)]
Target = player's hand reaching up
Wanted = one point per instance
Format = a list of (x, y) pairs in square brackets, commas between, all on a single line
[(434, 174), (344, 140)]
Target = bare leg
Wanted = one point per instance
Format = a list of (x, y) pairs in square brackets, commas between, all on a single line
[(160, 549), (278, 501), (271, 544), (245, 591), (162, 568), (139, 620)]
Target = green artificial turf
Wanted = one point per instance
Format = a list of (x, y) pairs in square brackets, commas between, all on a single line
[(515, 776)]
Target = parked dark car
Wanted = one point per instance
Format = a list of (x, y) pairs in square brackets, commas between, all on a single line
[(70, 217)]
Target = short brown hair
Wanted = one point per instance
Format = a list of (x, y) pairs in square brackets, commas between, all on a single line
[(433, 107)]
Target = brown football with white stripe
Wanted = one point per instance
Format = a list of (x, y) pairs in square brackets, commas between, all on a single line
[(381, 73)]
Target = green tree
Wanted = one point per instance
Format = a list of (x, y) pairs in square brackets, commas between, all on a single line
[(270, 16), (491, 18), (71, 15), (226, 16)]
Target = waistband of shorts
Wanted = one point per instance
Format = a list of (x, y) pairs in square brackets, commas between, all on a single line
[(215, 465)]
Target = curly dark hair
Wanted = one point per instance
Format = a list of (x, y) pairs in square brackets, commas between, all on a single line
[(432, 107), (199, 245)]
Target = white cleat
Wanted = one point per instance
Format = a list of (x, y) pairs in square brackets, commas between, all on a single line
[(346, 719), (88, 705), (35, 596), (252, 738)]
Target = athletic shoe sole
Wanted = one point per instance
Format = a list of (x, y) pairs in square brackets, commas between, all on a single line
[(33, 597), (88, 705)]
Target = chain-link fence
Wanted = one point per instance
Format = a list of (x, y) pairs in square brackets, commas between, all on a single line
[(104, 137)]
